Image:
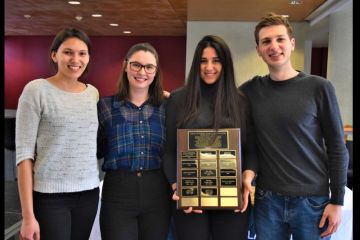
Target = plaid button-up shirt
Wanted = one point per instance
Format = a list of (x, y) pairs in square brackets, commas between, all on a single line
[(130, 137)]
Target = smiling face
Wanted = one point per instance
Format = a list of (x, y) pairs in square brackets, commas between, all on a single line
[(275, 46), (140, 79), (210, 66), (71, 58)]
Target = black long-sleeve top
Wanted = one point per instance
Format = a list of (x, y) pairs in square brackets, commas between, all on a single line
[(175, 111), (299, 135)]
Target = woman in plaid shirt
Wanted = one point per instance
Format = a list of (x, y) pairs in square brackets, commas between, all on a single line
[(136, 196)]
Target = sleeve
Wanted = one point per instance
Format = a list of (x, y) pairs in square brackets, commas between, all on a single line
[(170, 145), (249, 151), (338, 156), (28, 116), (101, 135)]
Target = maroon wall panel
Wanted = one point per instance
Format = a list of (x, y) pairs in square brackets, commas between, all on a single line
[(319, 61), (26, 58)]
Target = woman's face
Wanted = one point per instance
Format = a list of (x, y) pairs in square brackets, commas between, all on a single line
[(141, 70), (72, 57), (210, 66)]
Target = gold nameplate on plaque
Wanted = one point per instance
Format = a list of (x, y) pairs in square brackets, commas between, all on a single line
[(209, 168)]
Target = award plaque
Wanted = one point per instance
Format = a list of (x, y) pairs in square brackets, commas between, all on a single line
[(209, 168)]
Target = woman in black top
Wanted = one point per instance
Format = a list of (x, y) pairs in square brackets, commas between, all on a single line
[(210, 99)]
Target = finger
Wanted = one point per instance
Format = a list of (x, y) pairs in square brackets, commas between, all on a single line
[(248, 186), (237, 210), (175, 197), (243, 209), (327, 232), (189, 210), (245, 201), (322, 221), (198, 211), (37, 236), (335, 228)]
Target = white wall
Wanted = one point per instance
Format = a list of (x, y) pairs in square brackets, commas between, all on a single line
[(240, 38), (340, 60)]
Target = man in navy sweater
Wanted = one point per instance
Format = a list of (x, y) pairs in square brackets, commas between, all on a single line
[(302, 165)]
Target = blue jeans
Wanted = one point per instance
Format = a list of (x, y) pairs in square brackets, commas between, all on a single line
[(278, 216)]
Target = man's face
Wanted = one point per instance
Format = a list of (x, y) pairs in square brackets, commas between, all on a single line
[(275, 46)]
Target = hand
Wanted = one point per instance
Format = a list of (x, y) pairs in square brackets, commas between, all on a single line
[(332, 213), (166, 94), (248, 176), (175, 197), (30, 229)]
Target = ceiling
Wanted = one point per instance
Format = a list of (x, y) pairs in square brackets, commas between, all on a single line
[(141, 17)]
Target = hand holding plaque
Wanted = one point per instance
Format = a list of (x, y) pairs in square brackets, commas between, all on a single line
[(209, 168)]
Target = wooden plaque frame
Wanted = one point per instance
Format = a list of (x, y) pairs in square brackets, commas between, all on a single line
[(209, 168)]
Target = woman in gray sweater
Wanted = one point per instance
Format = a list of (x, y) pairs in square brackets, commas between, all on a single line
[(56, 128)]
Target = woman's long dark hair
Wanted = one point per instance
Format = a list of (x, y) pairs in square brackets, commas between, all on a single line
[(227, 101)]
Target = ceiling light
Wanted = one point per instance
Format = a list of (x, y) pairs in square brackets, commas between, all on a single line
[(114, 24), (96, 15), (78, 18), (295, 2), (74, 2), (285, 16), (126, 32), (27, 16)]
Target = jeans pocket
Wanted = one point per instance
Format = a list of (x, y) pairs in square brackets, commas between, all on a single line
[(317, 202), (259, 193)]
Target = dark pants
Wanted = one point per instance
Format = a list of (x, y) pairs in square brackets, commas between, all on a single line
[(135, 205), (65, 216), (211, 224)]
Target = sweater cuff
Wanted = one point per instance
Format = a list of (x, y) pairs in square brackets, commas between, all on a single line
[(250, 163), (337, 196)]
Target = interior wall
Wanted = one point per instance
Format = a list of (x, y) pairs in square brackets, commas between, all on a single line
[(26, 59), (340, 59)]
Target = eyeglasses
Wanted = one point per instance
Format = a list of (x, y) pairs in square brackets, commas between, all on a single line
[(149, 68)]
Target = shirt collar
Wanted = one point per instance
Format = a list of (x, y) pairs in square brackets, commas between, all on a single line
[(118, 103)]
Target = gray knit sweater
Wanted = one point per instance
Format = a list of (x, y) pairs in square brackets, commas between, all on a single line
[(58, 130)]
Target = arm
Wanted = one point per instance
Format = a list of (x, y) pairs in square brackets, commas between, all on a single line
[(28, 116), (250, 160), (30, 227), (170, 145), (101, 137), (172, 109), (338, 156)]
